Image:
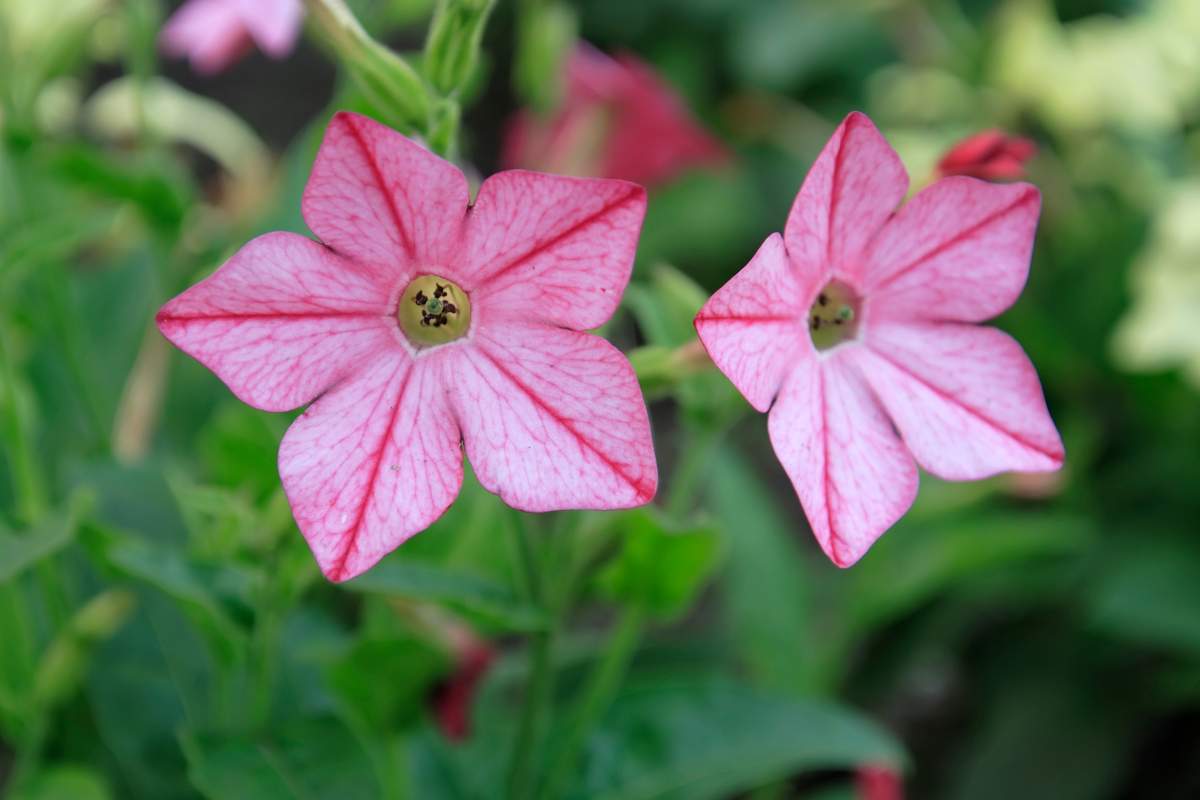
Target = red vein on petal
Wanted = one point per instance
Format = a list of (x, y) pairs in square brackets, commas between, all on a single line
[(338, 569), (238, 316), (613, 465), (750, 319), (383, 186), (1016, 437), (553, 240), (954, 240), (833, 191), (833, 536)]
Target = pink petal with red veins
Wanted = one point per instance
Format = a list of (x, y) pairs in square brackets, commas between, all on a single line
[(553, 419), (966, 399), (547, 248), (282, 321), (959, 251), (754, 326), (380, 198), (852, 473), (373, 462), (274, 24), (209, 33), (851, 190)]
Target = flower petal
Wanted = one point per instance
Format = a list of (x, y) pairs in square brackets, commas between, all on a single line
[(274, 24), (210, 33), (852, 473), (554, 419), (966, 399), (282, 320), (380, 198), (553, 249), (753, 327), (851, 190), (959, 251), (372, 462)]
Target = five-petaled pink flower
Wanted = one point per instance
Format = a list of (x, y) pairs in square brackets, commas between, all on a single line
[(618, 119), (854, 329), (215, 33), (990, 155), (421, 322)]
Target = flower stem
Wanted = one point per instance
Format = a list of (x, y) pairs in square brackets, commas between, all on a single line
[(521, 781), (598, 694)]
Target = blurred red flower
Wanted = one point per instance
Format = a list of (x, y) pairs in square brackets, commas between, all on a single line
[(452, 702), (877, 782), (990, 155), (619, 119)]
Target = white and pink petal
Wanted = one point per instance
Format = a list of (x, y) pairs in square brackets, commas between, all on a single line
[(373, 462), (966, 399), (753, 327), (959, 251), (380, 198), (853, 475), (553, 419), (851, 190), (553, 249), (282, 320)]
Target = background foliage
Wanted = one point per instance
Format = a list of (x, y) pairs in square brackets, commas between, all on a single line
[(164, 632)]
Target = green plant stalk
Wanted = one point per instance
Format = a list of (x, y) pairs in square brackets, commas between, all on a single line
[(521, 778), (599, 691), (27, 485)]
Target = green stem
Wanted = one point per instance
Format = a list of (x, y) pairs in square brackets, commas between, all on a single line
[(598, 693), (521, 781), (31, 502), (699, 446)]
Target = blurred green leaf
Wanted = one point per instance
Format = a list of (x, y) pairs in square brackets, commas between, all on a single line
[(1150, 595), (19, 552), (395, 576), (385, 682), (660, 567), (766, 589), (63, 782), (716, 738), (312, 758)]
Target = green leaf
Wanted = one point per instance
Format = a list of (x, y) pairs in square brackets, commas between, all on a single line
[(452, 48), (462, 591), (716, 738), (1150, 595), (19, 552), (306, 759), (65, 783), (765, 584), (384, 681), (660, 568)]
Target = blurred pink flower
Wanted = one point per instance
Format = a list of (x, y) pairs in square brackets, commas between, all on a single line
[(617, 120), (854, 329), (877, 782), (552, 416), (990, 155), (215, 33), (454, 699)]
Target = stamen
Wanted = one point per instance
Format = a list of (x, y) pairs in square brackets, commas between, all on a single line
[(831, 318), (440, 311)]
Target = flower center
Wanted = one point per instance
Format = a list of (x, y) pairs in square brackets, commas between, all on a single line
[(833, 318), (433, 311)]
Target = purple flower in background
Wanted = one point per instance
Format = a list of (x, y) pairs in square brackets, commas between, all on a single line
[(212, 34)]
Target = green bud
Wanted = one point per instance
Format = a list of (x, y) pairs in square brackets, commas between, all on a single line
[(546, 33), (65, 661), (452, 47), (389, 81)]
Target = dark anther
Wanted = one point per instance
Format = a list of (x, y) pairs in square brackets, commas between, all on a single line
[(424, 322), (451, 308), (837, 321), (822, 299), (816, 323), (420, 298), (440, 291)]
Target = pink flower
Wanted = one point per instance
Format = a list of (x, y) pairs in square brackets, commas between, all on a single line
[(453, 700), (618, 120), (854, 330), (990, 155), (215, 33), (420, 322), (879, 782)]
